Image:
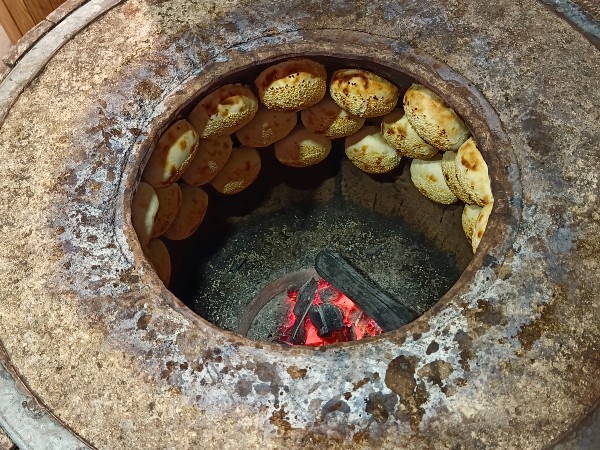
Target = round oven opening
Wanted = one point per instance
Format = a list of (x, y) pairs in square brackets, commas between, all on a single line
[(312, 201)]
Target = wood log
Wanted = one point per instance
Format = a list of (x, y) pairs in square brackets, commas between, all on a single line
[(385, 311)]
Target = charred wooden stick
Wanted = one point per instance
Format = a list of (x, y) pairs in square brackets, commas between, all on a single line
[(387, 312), (305, 298)]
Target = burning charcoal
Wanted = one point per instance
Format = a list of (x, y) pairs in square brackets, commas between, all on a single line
[(306, 296), (327, 295), (292, 289), (326, 318), (351, 334)]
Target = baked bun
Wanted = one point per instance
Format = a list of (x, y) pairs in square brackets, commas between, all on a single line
[(469, 220), (194, 203), (428, 178), (481, 225), (370, 152), (211, 157), (241, 170), (228, 109), (267, 127), (472, 174), (158, 254), (327, 118), (144, 206), (173, 153), (398, 132), (169, 201), (451, 177), (433, 120), (302, 148), (363, 93), (292, 85)]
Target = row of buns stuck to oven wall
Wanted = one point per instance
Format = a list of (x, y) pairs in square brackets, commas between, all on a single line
[(356, 105)]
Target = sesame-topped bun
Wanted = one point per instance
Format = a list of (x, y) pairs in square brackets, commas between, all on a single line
[(292, 85), (469, 219), (363, 93), (194, 203), (241, 170), (397, 131), (472, 174), (267, 127), (174, 151), (370, 152), (302, 148), (169, 201), (158, 254), (228, 108), (327, 118), (144, 206), (481, 225), (449, 169), (433, 120), (211, 157), (428, 178)]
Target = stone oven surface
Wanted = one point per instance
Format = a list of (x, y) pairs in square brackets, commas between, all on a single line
[(507, 359)]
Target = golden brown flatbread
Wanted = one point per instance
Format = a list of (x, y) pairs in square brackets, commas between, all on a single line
[(370, 152), (428, 178), (267, 127), (292, 85), (398, 132), (241, 170), (173, 153), (363, 93), (301, 148), (211, 157), (433, 120), (144, 207), (329, 119), (224, 111), (194, 203)]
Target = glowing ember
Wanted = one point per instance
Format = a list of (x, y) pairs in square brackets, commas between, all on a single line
[(357, 324)]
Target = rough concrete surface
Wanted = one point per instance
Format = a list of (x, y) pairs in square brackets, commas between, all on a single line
[(91, 332)]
